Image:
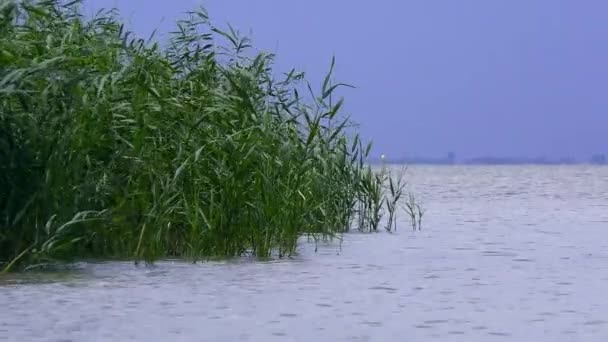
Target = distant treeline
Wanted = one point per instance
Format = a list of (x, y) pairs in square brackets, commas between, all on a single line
[(598, 159)]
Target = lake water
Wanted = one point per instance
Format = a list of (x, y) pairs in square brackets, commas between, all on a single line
[(506, 253)]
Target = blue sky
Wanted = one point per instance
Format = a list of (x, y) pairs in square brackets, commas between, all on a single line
[(477, 77)]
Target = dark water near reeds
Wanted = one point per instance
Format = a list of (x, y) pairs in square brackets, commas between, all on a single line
[(506, 253)]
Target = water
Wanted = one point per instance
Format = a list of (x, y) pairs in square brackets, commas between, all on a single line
[(506, 253)]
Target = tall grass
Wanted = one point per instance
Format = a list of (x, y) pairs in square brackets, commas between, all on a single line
[(116, 147)]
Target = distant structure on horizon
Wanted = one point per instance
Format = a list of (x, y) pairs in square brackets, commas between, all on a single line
[(598, 159), (452, 158)]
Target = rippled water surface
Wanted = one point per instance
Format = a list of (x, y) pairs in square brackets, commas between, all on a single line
[(506, 253)]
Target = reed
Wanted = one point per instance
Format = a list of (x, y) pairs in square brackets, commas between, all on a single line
[(112, 146), (414, 211), (396, 187)]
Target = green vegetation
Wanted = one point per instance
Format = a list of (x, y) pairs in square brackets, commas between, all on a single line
[(116, 147)]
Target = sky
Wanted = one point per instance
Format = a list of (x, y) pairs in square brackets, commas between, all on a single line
[(503, 78)]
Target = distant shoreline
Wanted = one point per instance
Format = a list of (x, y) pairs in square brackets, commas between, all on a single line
[(480, 163)]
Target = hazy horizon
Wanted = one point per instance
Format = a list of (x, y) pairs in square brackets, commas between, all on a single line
[(478, 78)]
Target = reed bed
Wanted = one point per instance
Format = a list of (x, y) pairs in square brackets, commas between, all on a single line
[(112, 146)]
